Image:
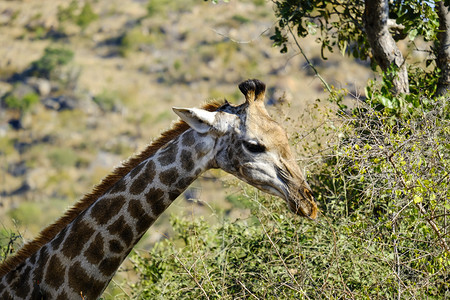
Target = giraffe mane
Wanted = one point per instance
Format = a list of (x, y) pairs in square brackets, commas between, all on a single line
[(48, 233)]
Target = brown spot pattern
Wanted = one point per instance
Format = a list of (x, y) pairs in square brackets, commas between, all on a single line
[(12, 276), (173, 195), (105, 208), (62, 296), (199, 149), (183, 183), (186, 160), (6, 296), (155, 198), (140, 183), (119, 187), (39, 271), (37, 293), (80, 281), (137, 169), (135, 209), (79, 235), (143, 219), (143, 224), (168, 154), (168, 177), (95, 251), (188, 138), (32, 258), (55, 272), (109, 265), (58, 239), (197, 172), (115, 246), (121, 229), (21, 286)]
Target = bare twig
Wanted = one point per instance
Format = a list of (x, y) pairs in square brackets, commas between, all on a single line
[(245, 288), (325, 84), (420, 207), (192, 276)]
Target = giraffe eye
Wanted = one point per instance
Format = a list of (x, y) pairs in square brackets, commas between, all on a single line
[(254, 147)]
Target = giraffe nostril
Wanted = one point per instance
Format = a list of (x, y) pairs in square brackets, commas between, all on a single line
[(308, 194), (304, 204)]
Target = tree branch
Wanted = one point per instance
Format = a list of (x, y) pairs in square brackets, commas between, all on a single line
[(421, 208), (325, 84), (384, 49), (443, 48)]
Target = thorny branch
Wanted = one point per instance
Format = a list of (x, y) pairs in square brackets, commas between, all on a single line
[(420, 207)]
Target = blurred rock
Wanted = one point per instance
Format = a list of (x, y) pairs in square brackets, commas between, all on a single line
[(37, 178), (83, 102), (3, 130), (20, 90), (22, 147), (6, 16), (60, 103), (278, 95), (41, 85), (16, 124), (5, 88), (25, 187), (45, 24), (191, 195), (17, 169)]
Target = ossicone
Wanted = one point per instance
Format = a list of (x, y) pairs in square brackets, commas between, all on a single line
[(253, 90)]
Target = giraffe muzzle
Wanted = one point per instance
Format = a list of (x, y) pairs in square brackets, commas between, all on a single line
[(297, 193), (302, 203)]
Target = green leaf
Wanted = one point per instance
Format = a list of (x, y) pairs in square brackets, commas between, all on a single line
[(412, 34), (388, 103), (417, 199), (343, 47)]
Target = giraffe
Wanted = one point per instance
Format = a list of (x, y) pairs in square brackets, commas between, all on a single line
[(78, 255)]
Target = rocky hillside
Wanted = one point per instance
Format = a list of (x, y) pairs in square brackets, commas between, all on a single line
[(85, 84)]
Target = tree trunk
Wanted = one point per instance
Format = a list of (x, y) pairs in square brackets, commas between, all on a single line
[(443, 48), (384, 49)]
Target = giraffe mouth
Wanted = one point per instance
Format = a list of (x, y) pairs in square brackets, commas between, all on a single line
[(298, 196), (297, 193), (305, 205), (300, 201)]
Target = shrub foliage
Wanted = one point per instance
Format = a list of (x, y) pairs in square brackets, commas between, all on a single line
[(384, 191), (51, 61)]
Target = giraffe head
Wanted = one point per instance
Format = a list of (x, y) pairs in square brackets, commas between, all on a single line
[(250, 145)]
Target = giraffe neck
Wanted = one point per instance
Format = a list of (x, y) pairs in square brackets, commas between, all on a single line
[(83, 257)]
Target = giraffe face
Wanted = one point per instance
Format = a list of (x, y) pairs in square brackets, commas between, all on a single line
[(259, 154), (250, 145)]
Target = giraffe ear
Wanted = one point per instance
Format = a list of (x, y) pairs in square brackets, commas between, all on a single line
[(198, 119)]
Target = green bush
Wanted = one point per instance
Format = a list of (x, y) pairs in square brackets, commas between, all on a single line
[(222, 262), (52, 60), (22, 104), (384, 193), (155, 7), (26, 214), (86, 16), (133, 39), (68, 13), (240, 19), (72, 13), (108, 101), (9, 243), (63, 157)]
